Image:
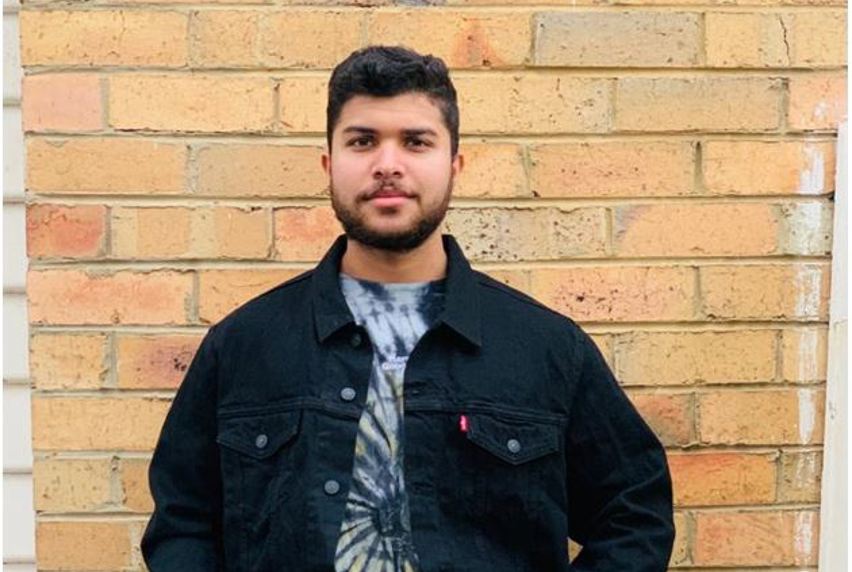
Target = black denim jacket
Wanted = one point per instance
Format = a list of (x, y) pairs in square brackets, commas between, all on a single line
[(253, 465)]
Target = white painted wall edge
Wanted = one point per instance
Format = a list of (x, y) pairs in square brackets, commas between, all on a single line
[(834, 530)]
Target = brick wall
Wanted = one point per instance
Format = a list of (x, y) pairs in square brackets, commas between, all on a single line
[(661, 173)]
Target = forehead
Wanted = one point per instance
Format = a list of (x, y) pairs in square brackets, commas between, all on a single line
[(403, 111)]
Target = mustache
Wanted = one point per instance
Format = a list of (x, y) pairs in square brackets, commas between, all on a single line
[(383, 186)]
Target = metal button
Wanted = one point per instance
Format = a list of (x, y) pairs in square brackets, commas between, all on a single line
[(513, 445), (261, 441), (331, 487), (356, 340), (347, 394)]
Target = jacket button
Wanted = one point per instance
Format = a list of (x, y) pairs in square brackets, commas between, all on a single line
[(513, 445), (331, 487), (261, 441), (355, 340), (347, 394)]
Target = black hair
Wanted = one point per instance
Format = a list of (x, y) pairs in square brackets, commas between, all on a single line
[(387, 71)]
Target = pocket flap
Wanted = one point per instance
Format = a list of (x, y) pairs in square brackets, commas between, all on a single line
[(259, 436), (515, 442)]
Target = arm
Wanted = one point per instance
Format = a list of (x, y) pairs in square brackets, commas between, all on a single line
[(619, 488), (185, 531)]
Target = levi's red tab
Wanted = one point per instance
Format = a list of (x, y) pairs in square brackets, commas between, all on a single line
[(463, 423)]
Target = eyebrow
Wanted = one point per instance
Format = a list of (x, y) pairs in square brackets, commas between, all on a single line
[(407, 132)]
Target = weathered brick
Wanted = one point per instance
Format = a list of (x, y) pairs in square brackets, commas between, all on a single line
[(680, 550), (762, 417), (493, 234), (614, 294), (221, 291), (261, 171), (761, 291), (518, 279), (604, 344), (756, 538), (191, 103), (136, 495), (303, 234), (302, 103), (103, 37), (671, 416), (491, 170), (714, 103), (462, 39), (68, 361), (123, 297), (817, 101), (533, 103), (225, 38), (71, 485), (154, 361), (681, 358), (61, 102), (722, 478), (84, 545), (617, 39), (801, 476), (97, 423), (612, 168), (804, 355), (309, 39), (105, 165), (819, 38), (806, 228), (176, 232), (742, 39), (57, 231), (768, 167), (693, 229)]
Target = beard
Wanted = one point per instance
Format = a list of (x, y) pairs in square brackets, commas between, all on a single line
[(404, 240)]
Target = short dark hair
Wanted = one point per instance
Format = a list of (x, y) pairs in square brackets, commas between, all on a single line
[(386, 71)]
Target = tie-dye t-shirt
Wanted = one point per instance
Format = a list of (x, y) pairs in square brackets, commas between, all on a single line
[(375, 535)]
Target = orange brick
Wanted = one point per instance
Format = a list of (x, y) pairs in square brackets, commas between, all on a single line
[(682, 358), (491, 170), (304, 234), (671, 416), (801, 476), (56, 231), (261, 171), (738, 39), (136, 495), (221, 291), (768, 167), (97, 423), (191, 103), (817, 101), (61, 102), (84, 545), (614, 294), (462, 39), (756, 538), (105, 165), (68, 361), (175, 232), (697, 103), (617, 39), (225, 38), (492, 234), (764, 417), (680, 550), (309, 38), (533, 103), (804, 355), (72, 485), (765, 292), (694, 230), (722, 478), (154, 362), (103, 37), (123, 297), (819, 38), (302, 103), (612, 168)]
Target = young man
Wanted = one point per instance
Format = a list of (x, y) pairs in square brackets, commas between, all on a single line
[(392, 409)]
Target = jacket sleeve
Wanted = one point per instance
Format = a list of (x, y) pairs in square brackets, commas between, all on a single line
[(619, 487), (184, 532)]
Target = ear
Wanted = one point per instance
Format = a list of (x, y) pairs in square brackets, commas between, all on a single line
[(326, 163), (458, 164)]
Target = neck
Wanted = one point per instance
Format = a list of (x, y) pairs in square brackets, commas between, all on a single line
[(425, 263)]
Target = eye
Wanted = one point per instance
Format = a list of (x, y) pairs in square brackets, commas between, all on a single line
[(363, 141), (417, 142)]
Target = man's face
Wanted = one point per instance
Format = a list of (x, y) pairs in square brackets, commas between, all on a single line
[(390, 170)]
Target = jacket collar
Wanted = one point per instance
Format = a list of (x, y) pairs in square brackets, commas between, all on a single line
[(461, 302)]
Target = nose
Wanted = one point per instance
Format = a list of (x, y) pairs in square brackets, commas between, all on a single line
[(388, 163)]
